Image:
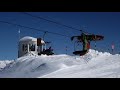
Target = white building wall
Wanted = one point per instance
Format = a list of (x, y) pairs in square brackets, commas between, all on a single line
[(21, 52), (29, 41)]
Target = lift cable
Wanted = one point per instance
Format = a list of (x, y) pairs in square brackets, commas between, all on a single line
[(59, 23), (34, 28)]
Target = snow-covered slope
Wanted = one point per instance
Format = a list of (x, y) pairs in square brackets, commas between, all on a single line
[(92, 65)]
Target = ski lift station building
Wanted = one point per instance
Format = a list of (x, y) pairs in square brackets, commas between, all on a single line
[(29, 44)]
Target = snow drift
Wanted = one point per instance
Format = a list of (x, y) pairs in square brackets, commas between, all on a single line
[(92, 65), (4, 63)]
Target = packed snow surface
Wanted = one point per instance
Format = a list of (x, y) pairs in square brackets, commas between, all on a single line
[(92, 65)]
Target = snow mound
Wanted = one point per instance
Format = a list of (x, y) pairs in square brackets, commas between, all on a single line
[(4, 63), (93, 64), (31, 54)]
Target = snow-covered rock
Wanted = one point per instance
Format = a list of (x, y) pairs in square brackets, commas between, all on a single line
[(4, 63)]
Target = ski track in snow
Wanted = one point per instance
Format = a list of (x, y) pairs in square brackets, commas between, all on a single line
[(92, 65)]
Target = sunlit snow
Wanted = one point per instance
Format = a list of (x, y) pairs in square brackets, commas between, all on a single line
[(92, 65)]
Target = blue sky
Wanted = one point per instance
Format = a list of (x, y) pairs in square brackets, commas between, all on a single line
[(103, 23)]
